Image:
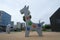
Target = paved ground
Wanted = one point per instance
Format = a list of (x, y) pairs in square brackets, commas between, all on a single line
[(33, 36)]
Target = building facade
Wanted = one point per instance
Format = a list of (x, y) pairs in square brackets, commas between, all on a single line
[(55, 21), (5, 19)]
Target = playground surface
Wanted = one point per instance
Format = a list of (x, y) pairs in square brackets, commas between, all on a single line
[(33, 36)]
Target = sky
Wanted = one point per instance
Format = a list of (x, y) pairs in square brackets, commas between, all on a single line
[(40, 9)]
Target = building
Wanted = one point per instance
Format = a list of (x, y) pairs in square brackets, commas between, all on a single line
[(22, 24), (55, 21), (5, 19), (18, 25), (12, 23)]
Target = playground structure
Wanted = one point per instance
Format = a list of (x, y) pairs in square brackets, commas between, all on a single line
[(29, 24), (8, 28)]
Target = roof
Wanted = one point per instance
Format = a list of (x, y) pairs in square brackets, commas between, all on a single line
[(56, 13), (4, 12)]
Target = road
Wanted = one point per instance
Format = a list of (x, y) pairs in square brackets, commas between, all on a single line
[(32, 36)]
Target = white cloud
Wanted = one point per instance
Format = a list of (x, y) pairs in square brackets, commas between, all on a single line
[(40, 9)]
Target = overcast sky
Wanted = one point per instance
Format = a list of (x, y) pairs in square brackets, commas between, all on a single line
[(40, 9)]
